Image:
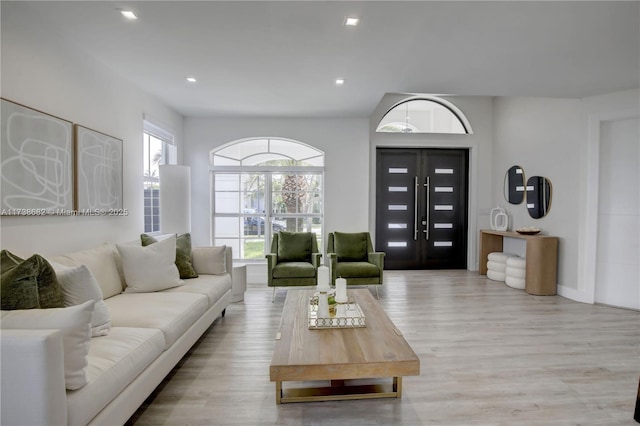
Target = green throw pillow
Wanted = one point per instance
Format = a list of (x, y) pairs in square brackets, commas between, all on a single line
[(8, 260), (183, 254), (294, 246), (28, 284), (350, 247)]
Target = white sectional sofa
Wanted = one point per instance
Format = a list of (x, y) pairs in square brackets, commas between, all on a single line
[(150, 332)]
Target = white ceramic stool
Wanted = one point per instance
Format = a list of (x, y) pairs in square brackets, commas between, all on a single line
[(497, 265), (516, 272)]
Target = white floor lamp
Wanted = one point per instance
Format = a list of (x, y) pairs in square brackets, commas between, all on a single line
[(175, 199)]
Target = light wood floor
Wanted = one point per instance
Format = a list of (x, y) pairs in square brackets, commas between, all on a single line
[(490, 355)]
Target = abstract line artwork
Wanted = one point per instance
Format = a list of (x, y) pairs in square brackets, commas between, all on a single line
[(98, 170), (36, 162)]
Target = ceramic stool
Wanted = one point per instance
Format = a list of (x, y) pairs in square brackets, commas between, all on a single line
[(497, 266), (516, 272)]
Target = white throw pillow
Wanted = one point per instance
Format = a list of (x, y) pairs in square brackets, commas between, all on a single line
[(150, 268), (75, 323), (210, 260), (79, 285)]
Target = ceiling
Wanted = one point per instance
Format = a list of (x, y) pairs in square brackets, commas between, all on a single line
[(281, 59)]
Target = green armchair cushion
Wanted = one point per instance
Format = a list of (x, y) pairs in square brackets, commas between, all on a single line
[(294, 246), (294, 270), (350, 247), (357, 270)]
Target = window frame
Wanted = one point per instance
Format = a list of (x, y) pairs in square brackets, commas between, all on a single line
[(269, 214), (150, 182), (466, 127)]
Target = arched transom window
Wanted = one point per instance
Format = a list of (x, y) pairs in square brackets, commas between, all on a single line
[(422, 116), (263, 186), (267, 152)]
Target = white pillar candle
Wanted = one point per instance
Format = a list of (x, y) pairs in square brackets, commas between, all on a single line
[(323, 305), (323, 279), (341, 290)]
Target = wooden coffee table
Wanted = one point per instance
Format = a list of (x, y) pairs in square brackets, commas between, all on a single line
[(339, 355)]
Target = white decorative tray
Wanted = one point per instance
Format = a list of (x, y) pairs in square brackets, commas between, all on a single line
[(348, 315)]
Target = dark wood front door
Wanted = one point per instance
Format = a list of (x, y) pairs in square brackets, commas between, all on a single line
[(421, 208)]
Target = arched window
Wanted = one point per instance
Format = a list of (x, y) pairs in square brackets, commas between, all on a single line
[(423, 116), (263, 186)]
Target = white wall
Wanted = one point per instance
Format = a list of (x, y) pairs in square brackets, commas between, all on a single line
[(44, 72), (479, 112), (545, 136), (345, 144), (559, 139), (618, 251), (598, 113)]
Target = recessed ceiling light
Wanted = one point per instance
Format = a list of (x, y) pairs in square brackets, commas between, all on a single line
[(191, 79), (129, 14), (339, 81), (351, 21)]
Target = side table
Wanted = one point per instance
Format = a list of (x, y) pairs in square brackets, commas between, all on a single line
[(541, 254), (239, 285)]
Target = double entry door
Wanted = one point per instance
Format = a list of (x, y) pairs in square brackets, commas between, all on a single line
[(421, 208)]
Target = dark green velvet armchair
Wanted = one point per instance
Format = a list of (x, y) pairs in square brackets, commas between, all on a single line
[(353, 258), (293, 261)]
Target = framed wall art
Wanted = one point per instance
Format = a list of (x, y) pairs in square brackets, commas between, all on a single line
[(98, 171), (36, 163)]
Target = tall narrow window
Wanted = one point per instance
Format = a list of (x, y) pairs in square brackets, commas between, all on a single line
[(261, 187), (422, 116), (159, 149)]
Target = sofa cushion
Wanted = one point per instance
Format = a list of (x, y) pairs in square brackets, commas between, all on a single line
[(350, 247), (357, 269), (294, 246), (294, 270), (75, 323), (150, 268), (101, 261), (212, 286), (171, 312), (183, 253), (79, 285), (210, 260), (113, 362), (28, 284)]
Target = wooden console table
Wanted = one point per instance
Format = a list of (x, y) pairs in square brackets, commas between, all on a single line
[(542, 259)]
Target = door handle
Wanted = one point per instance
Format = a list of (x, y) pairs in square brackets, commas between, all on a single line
[(415, 209), (426, 231)]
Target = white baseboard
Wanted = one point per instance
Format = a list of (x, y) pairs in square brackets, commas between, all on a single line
[(573, 294)]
